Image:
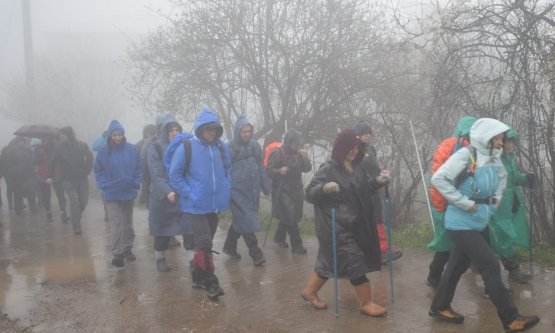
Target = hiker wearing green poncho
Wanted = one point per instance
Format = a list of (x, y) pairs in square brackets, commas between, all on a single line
[(509, 226), (441, 244)]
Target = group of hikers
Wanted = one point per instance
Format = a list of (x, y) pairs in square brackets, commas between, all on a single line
[(192, 177)]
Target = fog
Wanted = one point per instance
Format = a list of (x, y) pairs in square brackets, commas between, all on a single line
[(81, 32), (74, 28)]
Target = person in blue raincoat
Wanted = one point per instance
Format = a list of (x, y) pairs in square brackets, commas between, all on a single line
[(164, 218), (118, 174), (248, 179), (202, 180)]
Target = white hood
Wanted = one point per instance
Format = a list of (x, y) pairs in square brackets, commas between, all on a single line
[(483, 131)]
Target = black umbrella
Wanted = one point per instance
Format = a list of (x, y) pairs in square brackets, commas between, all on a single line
[(38, 131)]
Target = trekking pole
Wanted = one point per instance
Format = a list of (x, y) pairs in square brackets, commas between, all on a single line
[(387, 205), (422, 175), (334, 248), (531, 213)]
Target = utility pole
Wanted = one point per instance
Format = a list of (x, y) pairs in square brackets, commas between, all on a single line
[(28, 47)]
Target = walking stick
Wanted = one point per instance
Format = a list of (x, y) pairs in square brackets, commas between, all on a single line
[(389, 254), (422, 175), (531, 233), (334, 248)]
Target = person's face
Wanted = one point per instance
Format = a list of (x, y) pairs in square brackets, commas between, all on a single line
[(173, 131), (367, 138), (508, 146), (352, 154), (117, 137), (209, 134), (62, 136), (246, 133), (497, 141)]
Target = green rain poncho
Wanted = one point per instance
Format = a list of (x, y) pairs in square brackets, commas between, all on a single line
[(509, 225)]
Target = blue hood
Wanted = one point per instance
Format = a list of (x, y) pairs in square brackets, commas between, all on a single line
[(208, 118), (115, 126), (242, 121), (164, 121)]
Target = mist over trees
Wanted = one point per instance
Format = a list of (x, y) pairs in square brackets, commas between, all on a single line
[(318, 66)]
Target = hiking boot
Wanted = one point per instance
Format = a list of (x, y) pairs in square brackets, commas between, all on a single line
[(117, 261), (298, 250), (161, 265), (258, 261), (447, 315), (518, 276), (198, 276), (77, 232), (232, 254), (394, 256), (49, 217), (522, 323), (129, 256), (213, 288)]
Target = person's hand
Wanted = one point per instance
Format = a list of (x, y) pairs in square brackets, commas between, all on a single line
[(497, 203), (49, 181), (473, 209), (283, 170), (303, 153), (331, 187), (384, 177), (171, 197)]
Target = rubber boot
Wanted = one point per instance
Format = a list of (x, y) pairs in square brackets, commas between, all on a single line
[(310, 292), (368, 307)]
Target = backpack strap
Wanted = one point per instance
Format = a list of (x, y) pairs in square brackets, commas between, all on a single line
[(187, 148), (470, 169)]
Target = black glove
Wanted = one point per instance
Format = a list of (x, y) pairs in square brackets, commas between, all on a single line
[(531, 178)]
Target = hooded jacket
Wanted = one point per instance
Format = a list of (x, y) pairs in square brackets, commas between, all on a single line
[(509, 225), (248, 179), (358, 250), (117, 168), (73, 157), (287, 190), (164, 217), (206, 188), (488, 181)]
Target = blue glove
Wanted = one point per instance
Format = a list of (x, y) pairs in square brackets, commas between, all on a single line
[(531, 178)]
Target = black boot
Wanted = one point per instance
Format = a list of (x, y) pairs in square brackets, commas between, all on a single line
[(213, 286), (117, 261), (257, 256)]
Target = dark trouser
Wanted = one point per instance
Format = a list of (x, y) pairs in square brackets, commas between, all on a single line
[(294, 234), (78, 195), (472, 247), (436, 267), (120, 215), (45, 193), (250, 240), (19, 194), (355, 282), (162, 243), (204, 228)]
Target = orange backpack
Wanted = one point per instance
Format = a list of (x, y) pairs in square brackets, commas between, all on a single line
[(445, 149), (268, 151)]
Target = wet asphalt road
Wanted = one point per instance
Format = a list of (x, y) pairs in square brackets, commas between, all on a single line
[(54, 281)]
